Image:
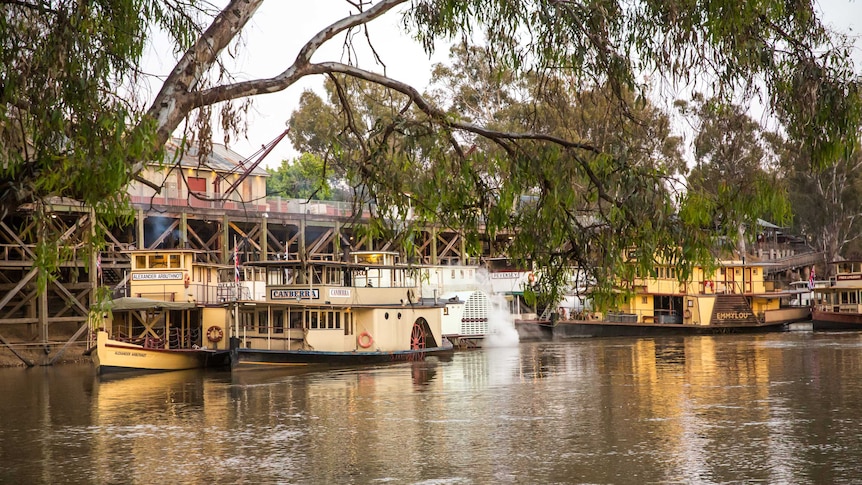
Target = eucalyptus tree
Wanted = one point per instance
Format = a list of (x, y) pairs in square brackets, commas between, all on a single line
[(736, 165), (87, 50), (826, 200), (304, 177)]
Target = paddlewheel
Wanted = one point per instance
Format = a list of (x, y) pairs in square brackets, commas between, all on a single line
[(417, 337)]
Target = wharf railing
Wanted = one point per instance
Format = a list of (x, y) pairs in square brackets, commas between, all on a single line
[(269, 206)]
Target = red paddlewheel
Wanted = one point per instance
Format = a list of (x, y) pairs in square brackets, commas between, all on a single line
[(417, 338)]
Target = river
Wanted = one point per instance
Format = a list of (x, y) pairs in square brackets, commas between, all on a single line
[(773, 408)]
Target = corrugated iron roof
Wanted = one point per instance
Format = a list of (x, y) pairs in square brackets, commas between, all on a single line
[(221, 159)]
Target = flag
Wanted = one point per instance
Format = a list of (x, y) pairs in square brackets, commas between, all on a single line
[(236, 262), (811, 278)]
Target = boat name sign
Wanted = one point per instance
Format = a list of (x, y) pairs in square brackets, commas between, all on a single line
[(505, 275), (733, 315), (311, 294), (157, 276)]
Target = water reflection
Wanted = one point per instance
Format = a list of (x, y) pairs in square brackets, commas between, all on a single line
[(780, 408)]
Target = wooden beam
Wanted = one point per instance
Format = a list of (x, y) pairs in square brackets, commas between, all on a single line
[(25, 360), (248, 236), (323, 240), (29, 276), (167, 232), (17, 240), (32, 320), (27, 298), (77, 334), (71, 299)]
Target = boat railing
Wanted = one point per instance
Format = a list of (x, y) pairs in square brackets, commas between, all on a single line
[(163, 295), (200, 293), (148, 341), (184, 338), (621, 317), (667, 316), (709, 287)]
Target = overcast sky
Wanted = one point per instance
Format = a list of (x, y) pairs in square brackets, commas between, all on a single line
[(280, 28), (274, 36)]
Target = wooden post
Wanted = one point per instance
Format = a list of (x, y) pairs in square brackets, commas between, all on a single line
[(301, 242), (435, 258), (264, 235), (43, 319), (225, 240), (184, 230), (140, 220)]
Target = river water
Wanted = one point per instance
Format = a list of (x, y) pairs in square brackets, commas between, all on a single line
[(774, 408)]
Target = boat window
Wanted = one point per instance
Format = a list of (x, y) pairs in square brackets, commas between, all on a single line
[(295, 318), (278, 321), (174, 261), (246, 319), (158, 261), (140, 262), (348, 323), (337, 318), (316, 276), (262, 321), (312, 319)]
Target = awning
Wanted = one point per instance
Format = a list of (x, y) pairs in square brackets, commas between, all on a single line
[(130, 303), (768, 225)]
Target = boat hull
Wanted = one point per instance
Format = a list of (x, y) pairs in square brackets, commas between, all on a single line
[(464, 342), (249, 358), (575, 328), (113, 356), (825, 320), (534, 330)]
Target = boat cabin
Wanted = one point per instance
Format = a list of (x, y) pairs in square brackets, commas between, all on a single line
[(170, 300), (733, 292), (843, 294), (326, 305)]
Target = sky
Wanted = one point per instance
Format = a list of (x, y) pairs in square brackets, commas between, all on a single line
[(280, 28), (273, 38)]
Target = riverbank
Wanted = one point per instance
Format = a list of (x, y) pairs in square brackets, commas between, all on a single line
[(73, 354)]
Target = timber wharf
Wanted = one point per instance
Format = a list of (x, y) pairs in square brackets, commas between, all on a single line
[(218, 207)]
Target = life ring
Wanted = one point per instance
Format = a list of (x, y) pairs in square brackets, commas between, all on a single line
[(187, 281), (688, 314), (708, 283), (531, 278), (215, 334), (364, 340)]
